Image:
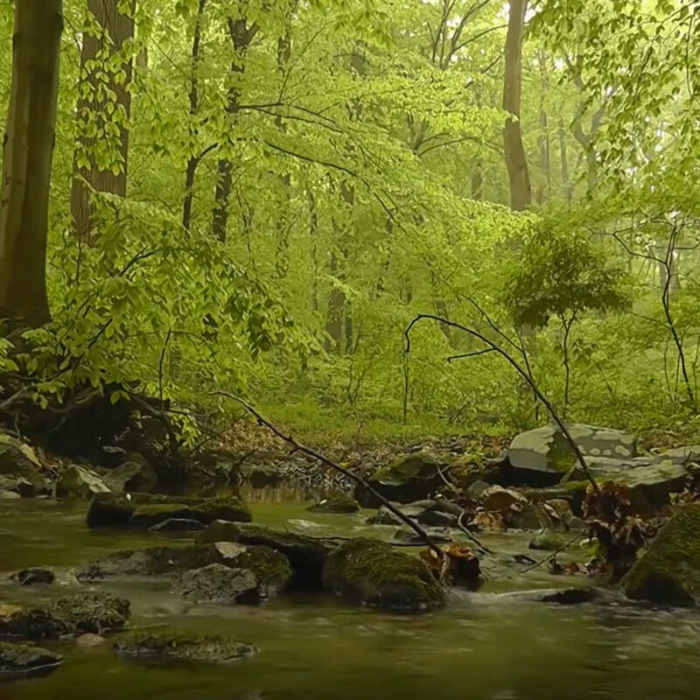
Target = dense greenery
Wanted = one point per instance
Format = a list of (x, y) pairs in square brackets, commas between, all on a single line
[(304, 178)]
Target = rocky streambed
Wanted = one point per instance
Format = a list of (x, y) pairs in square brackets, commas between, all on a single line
[(258, 592)]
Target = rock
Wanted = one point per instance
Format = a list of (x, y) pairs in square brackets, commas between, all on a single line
[(261, 476), (546, 541), (17, 485), (407, 479), (80, 482), (9, 496), (500, 500), (530, 517), (477, 489), (668, 572), (560, 511), (177, 525), (420, 511), (29, 577), (217, 583), (372, 573), (18, 461), (67, 616), (270, 567), (141, 510), (166, 649), (439, 535), (306, 555), (542, 456), (577, 523), (335, 504), (21, 661), (132, 476), (89, 641), (680, 455), (213, 467)]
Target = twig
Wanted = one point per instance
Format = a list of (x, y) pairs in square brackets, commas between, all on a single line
[(298, 447), (552, 555), (523, 373)]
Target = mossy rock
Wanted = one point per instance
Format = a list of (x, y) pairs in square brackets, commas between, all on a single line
[(668, 572), (205, 511), (67, 616), (270, 567), (341, 504), (306, 555), (217, 583), (407, 479), (110, 510), (170, 648), (21, 661), (372, 573)]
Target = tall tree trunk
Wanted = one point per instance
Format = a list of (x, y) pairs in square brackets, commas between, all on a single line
[(193, 160), (241, 37), (516, 160), (477, 182), (114, 29), (26, 168)]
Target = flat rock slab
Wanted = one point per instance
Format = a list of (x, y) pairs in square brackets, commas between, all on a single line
[(19, 661), (169, 649), (546, 450)]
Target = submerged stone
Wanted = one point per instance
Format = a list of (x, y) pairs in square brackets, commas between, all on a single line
[(668, 572), (67, 616), (20, 661), (372, 573), (168, 649)]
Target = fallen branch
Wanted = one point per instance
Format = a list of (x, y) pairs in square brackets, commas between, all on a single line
[(298, 447)]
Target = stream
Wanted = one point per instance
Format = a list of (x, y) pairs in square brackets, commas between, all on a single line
[(315, 647)]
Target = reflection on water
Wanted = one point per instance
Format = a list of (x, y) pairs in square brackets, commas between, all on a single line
[(312, 647)]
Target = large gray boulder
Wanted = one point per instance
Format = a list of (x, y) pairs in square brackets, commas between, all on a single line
[(132, 476), (542, 456), (217, 583)]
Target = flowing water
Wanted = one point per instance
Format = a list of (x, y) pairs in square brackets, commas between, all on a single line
[(480, 647)]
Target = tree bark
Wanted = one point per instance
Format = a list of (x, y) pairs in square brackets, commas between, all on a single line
[(516, 160), (193, 160), (93, 112), (242, 36), (27, 154)]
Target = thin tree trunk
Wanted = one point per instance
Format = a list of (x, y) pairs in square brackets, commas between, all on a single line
[(93, 114), (193, 161), (564, 157), (477, 183), (27, 154), (516, 160), (241, 37)]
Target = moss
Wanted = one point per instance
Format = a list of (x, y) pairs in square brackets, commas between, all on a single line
[(172, 648), (669, 570), (219, 531), (71, 615), (421, 465), (142, 510), (20, 661), (270, 567), (340, 503), (372, 573)]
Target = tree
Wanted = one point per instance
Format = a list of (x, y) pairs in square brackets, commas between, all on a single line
[(104, 109), (27, 156), (516, 159)]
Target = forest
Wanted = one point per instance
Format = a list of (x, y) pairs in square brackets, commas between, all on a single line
[(316, 313)]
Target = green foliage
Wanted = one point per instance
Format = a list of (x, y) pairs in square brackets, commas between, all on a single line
[(562, 273)]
